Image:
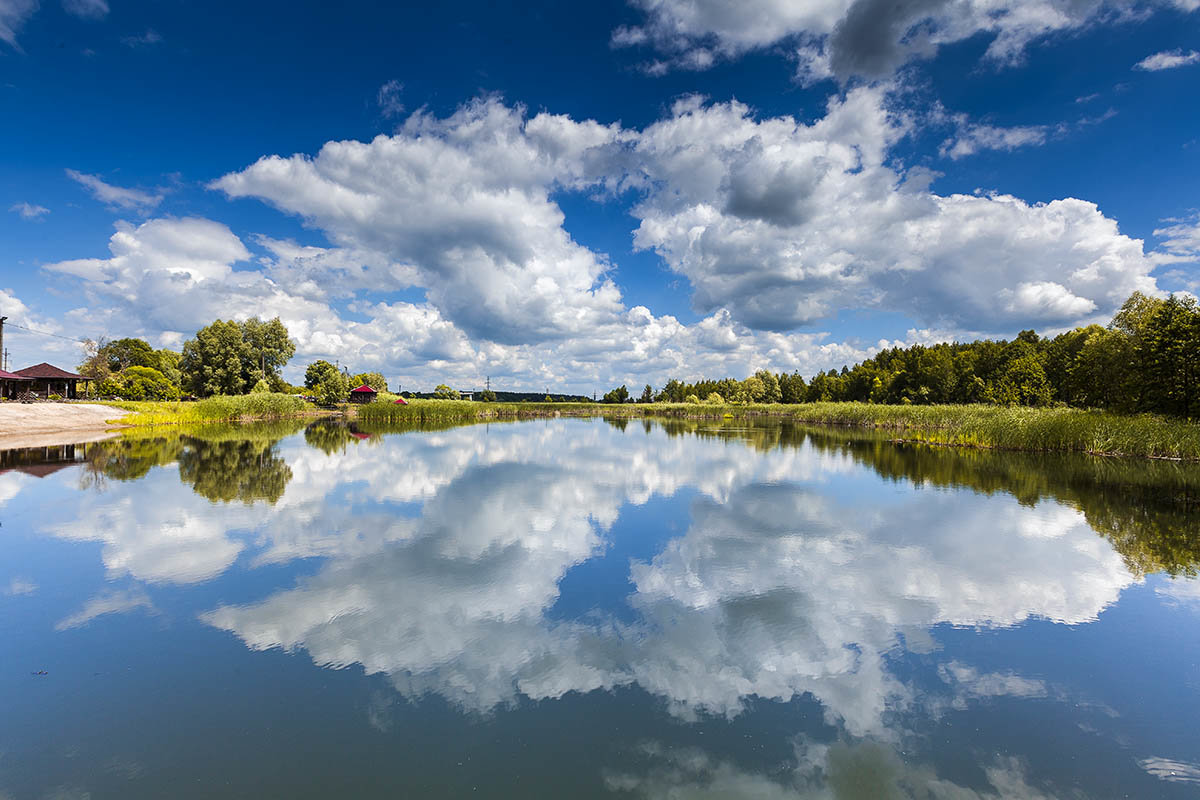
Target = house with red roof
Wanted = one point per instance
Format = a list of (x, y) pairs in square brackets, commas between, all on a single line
[(47, 379), (363, 394)]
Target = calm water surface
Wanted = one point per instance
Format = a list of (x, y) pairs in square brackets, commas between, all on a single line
[(582, 608)]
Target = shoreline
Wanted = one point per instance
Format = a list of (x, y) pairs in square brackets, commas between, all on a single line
[(49, 424), (1038, 430)]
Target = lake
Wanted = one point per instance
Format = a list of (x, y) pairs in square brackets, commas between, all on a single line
[(593, 608)]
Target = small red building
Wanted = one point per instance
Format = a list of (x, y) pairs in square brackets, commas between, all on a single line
[(363, 394)]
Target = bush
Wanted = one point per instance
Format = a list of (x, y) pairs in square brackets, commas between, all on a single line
[(262, 387), (693, 399), (715, 399)]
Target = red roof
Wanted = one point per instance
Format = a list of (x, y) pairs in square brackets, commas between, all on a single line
[(9, 376), (400, 401), (45, 370), (363, 388)]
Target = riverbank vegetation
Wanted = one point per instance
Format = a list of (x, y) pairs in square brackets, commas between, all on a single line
[(980, 426), (259, 406)]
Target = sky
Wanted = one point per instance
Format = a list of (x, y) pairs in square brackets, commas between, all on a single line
[(574, 196)]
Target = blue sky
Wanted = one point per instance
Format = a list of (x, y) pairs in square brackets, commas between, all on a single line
[(579, 195)]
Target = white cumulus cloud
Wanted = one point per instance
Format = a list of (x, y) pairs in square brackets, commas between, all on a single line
[(870, 38)]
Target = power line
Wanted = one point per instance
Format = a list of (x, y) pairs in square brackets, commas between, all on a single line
[(47, 333)]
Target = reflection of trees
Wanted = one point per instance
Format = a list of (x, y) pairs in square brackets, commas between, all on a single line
[(245, 470), (1147, 509), (328, 435), (221, 462), (128, 459)]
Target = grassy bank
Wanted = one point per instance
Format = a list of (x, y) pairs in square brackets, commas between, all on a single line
[(999, 427), (212, 409)]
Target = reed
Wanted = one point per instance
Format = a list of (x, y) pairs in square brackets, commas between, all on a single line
[(986, 426), (212, 409)]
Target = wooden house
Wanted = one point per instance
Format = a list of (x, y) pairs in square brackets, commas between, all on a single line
[(47, 379), (12, 385), (363, 394)]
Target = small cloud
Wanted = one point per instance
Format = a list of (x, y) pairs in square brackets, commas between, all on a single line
[(1167, 59), (115, 196), (107, 603), (86, 9), (29, 211), (150, 37), (19, 586), (1087, 98), (1167, 769), (389, 99)]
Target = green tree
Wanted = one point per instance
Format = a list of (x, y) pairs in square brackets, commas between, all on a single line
[(268, 345), (373, 379), (792, 388), (1170, 355), (217, 361), (333, 389), (317, 372), (772, 393), (1023, 383), (487, 396), (618, 395), (647, 395), (262, 387), (444, 392)]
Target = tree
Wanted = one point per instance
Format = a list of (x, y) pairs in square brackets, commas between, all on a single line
[(1023, 383), (444, 392), (772, 393), (792, 388), (647, 395), (1170, 355), (487, 396), (332, 390), (262, 387), (618, 395), (217, 361), (373, 379), (228, 357), (317, 372), (268, 344)]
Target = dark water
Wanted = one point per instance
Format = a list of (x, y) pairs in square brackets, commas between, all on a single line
[(581, 608)]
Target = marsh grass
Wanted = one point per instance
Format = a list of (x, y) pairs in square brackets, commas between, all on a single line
[(1046, 430), (212, 409)]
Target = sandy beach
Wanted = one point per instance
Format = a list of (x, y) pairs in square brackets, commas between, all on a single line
[(42, 424)]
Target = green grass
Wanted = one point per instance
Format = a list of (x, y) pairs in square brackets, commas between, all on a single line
[(211, 409), (999, 427)]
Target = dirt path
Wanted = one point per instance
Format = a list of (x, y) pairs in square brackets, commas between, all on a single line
[(34, 422)]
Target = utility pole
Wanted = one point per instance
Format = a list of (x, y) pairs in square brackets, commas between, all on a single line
[(2, 350)]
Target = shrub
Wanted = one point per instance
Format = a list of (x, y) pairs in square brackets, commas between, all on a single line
[(692, 399), (715, 399)]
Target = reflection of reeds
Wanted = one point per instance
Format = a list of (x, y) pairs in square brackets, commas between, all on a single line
[(997, 427)]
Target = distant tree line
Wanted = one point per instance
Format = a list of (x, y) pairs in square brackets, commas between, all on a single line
[(1146, 359)]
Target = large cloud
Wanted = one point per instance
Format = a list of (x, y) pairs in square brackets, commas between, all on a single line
[(870, 38), (172, 276), (777, 225), (784, 223), (466, 200)]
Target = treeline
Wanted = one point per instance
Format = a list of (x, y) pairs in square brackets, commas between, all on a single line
[(224, 358), (1146, 359)]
